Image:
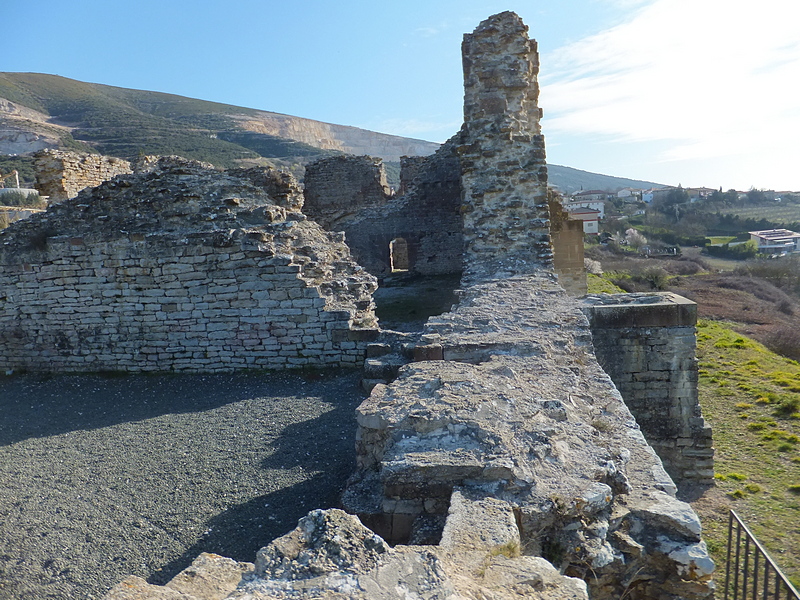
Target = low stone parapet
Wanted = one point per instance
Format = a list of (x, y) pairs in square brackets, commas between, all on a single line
[(646, 342)]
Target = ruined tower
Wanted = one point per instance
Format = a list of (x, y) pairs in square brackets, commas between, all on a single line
[(504, 174)]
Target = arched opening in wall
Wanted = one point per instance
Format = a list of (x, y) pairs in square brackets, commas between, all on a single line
[(398, 255)]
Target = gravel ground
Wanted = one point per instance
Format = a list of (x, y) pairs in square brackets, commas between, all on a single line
[(102, 477)]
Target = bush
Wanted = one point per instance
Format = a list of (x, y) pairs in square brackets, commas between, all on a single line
[(783, 273), (656, 277), (788, 407), (783, 341), (743, 251)]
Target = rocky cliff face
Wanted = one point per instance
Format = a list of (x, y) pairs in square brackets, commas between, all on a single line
[(24, 130), (328, 136)]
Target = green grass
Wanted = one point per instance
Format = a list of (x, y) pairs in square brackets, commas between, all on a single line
[(751, 396), (719, 240), (601, 285)]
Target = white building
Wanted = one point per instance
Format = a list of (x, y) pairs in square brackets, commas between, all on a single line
[(629, 194), (590, 218), (776, 241)]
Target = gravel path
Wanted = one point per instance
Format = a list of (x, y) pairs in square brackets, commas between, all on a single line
[(105, 477)]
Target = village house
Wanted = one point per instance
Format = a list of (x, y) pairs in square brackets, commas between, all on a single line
[(776, 241), (590, 218)]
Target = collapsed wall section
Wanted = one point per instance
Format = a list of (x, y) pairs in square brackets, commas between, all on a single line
[(62, 174), (184, 268), (646, 343)]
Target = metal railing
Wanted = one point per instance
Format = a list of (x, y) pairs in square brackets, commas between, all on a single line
[(750, 572)]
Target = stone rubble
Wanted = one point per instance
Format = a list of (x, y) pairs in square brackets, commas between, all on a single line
[(519, 414)]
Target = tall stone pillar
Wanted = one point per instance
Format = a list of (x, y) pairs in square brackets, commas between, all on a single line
[(504, 173)]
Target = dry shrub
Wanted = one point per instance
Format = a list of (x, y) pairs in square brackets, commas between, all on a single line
[(685, 267), (760, 288), (783, 340), (783, 272)]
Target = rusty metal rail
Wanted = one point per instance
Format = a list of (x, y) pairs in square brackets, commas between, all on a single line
[(750, 572)]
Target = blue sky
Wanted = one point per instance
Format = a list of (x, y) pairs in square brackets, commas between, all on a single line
[(696, 92)]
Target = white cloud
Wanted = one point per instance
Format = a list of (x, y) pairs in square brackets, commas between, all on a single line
[(426, 31), (718, 78)]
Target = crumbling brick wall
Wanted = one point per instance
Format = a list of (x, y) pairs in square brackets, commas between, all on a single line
[(185, 268), (61, 174)]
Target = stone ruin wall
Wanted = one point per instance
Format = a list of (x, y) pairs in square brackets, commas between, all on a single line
[(646, 343), (505, 448), (182, 269), (506, 214), (516, 437), (60, 174), (424, 217), (446, 210)]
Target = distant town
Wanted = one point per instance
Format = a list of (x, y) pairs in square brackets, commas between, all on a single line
[(734, 223)]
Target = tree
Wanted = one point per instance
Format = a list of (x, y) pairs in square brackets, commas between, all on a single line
[(755, 196), (635, 239)]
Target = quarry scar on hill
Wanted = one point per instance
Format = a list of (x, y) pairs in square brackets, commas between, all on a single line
[(501, 459)]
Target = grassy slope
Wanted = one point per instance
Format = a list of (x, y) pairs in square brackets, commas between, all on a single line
[(777, 213), (751, 398)]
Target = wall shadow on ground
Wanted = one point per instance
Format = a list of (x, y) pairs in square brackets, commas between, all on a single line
[(35, 406), (323, 449)]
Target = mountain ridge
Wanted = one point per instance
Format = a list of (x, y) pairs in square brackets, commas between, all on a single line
[(49, 111)]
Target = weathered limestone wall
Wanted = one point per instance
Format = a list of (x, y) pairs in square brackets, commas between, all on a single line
[(338, 187), (185, 268), (61, 174), (425, 219), (507, 433), (518, 421), (505, 448), (646, 343), (504, 172)]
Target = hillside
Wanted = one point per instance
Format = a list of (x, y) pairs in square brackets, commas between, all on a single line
[(47, 111), (38, 111), (570, 180)]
